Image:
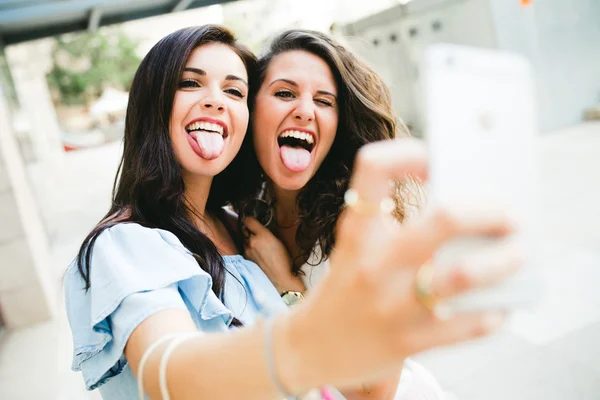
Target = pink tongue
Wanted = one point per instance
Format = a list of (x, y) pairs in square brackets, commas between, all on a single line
[(295, 158), (211, 144)]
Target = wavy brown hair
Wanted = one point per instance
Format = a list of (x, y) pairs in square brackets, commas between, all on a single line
[(365, 115)]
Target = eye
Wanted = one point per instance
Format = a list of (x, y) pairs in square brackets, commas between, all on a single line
[(324, 102), (284, 94), (188, 83), (235, 92)]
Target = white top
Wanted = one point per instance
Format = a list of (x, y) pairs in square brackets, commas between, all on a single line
[(313, 272)]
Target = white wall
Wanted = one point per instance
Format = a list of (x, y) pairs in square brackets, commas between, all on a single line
[(561, 38)]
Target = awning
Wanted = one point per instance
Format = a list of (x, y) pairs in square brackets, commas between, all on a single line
[(23, 20)]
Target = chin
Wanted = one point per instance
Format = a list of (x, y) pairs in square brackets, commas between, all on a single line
[(207, 168), (293, 182)]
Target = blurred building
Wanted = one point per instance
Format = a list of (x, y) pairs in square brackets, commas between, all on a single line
[(27, 287), (560, 38), (256, 20)]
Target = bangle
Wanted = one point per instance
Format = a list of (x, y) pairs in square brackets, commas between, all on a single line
[(162, 368), (145, 358), (269, 324)]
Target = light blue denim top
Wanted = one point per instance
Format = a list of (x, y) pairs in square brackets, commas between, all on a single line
[(136, 272)]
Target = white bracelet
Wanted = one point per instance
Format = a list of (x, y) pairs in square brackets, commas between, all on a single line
[(271, 368), (145, 357), (179, 338), (162, 369)]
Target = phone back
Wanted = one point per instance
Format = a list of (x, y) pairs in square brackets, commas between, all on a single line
[(482, 137)]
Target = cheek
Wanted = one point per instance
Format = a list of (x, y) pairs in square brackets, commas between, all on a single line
[(269, 114), (241, 118), (179, 104), (182, 102), (262, 124), (261, 146), (330, 124)]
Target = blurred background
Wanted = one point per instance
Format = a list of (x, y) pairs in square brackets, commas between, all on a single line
[(65, 69)]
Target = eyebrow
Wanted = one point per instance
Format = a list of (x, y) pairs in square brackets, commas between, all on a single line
[(295, 84), (203, 73)]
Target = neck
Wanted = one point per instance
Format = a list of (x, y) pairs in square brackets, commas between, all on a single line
[(197, 189), (286, 210)]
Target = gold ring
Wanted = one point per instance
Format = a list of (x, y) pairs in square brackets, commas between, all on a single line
[(353, 200), (424, 287)]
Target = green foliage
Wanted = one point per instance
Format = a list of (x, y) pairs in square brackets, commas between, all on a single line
[(84, 63)]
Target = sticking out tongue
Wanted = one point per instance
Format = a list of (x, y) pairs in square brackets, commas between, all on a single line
[(210, 143), (295, 158)]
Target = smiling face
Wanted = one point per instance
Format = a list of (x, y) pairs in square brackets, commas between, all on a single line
[(209, 117), (295, 118)]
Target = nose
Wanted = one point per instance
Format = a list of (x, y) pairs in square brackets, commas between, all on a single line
[(212, 102), (305, 110), (213, 105)]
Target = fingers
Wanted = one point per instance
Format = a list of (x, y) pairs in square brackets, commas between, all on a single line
[(256, 234), (253, 225), (459, 328), (477, 269), (427, 233), (379, 163), (246, 233)]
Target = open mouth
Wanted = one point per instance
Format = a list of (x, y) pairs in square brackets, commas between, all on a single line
[(201, 126), (296, 139), (295, 148), (207, 138)]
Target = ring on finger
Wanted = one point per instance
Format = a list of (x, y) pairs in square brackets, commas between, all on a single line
[(424, 287), (365, 207)]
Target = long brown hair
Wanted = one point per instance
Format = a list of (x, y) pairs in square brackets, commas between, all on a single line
[(365, 115)]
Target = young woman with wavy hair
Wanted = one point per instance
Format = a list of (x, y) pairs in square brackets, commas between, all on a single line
[(315, 106)]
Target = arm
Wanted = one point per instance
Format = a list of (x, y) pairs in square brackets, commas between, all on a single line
[(381, 321), (196, 368), (269, 253)]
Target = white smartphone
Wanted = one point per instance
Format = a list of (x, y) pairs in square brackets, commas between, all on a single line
[(481, 133)]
